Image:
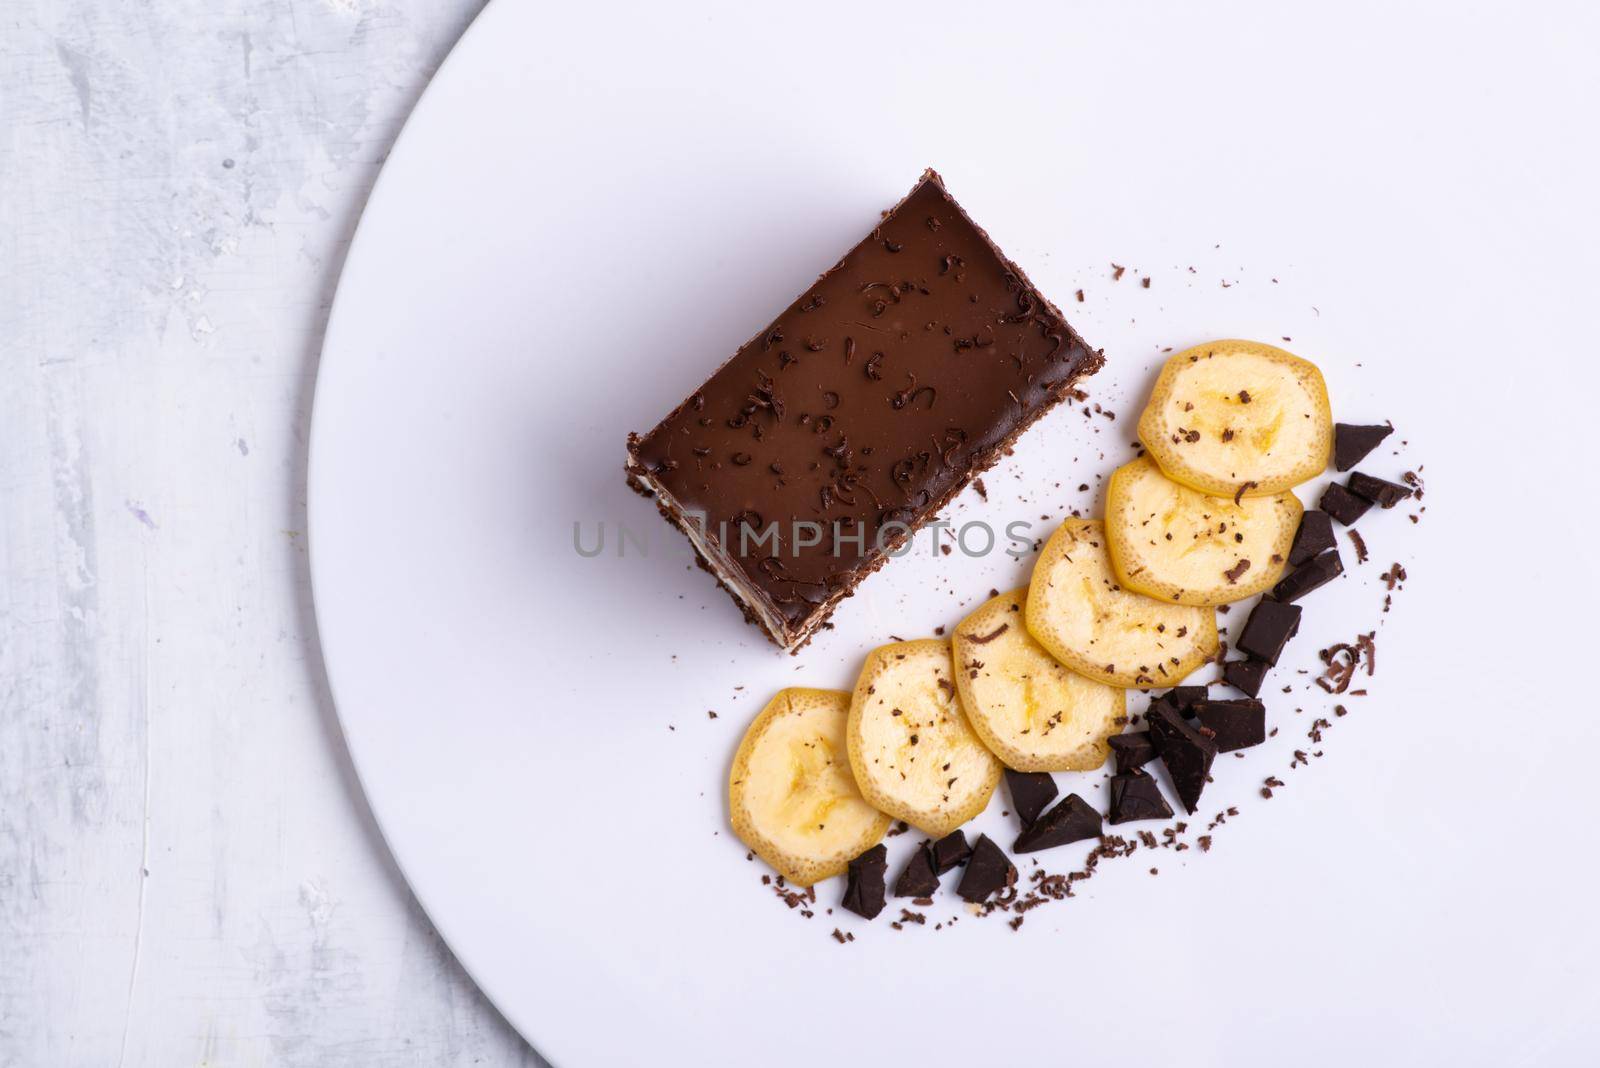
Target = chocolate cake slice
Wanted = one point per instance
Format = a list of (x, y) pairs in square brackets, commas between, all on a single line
[(857, 414)]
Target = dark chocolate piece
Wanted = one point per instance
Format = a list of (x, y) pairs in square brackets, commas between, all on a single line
[(1268, 630), (1234, 724), (1314, 536), (1185, 751), (905, 370), (1351, 443), (1183, 698), (1343, 505), (1135, 796), (1309, 576), (1165, 701), (988, 870), (863, 894), (918, 879), (1072, 820), (1383, 494), (951, 851), (1246, 676), (1030, 793), (1132, 750)]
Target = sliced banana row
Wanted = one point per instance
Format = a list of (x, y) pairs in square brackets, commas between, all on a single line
[(1037, 677)]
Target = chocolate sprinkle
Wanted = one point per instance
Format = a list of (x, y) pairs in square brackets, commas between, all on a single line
[(984, 639), (1361, 545)]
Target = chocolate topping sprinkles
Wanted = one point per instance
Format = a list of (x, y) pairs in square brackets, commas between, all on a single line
[(906, 297), (984, 639)]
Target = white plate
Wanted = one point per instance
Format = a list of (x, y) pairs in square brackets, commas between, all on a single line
[(591, 208)]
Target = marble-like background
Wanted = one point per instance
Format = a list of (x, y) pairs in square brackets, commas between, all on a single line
[(188, 872)]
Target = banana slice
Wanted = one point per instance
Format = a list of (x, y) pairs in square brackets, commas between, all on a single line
[(913, 753), (1079, 613), (1032, 713), (793, 799), (1174, 544), (1238, 418)]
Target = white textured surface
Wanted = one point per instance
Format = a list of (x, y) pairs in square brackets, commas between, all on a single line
[(188, 874)]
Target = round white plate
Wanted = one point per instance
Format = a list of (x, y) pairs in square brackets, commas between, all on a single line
[(593, 206)]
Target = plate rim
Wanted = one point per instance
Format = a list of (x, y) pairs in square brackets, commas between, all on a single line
[(316, 486)]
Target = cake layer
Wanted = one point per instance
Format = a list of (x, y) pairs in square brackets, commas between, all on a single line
[(857, 414)]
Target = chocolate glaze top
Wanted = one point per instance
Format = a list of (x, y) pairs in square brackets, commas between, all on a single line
[(870, 400)]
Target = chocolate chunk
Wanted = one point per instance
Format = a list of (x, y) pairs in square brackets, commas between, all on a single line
[(988, 870), (1135, 796), (1165, 701), (1309, 576), (1351, 443), (1343, 505), (1234, 724), (1072, 820), (1384, 494), (863, 894), (1030, 793), (1132, 750), (1314, 536), (1245, 675), (1183, 698), (1184, 750), (919, 879), (1268, 630), (951, 851)]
